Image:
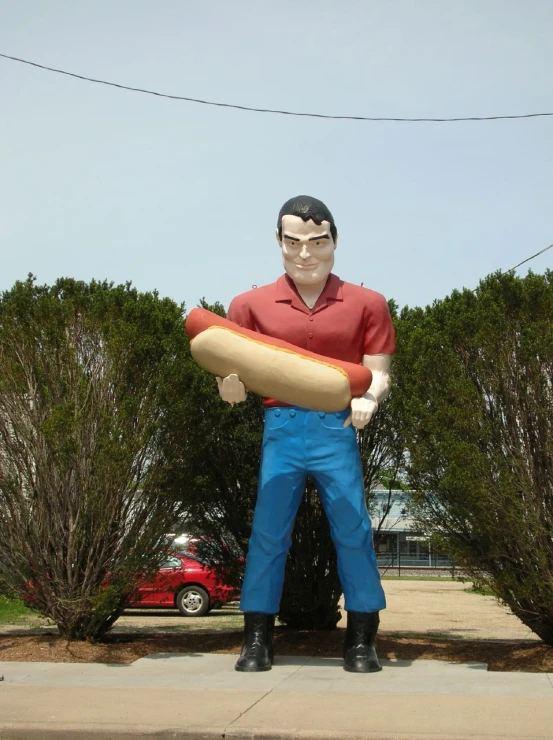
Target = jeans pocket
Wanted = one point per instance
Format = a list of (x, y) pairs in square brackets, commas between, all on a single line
[(276, 419), (334, 421)]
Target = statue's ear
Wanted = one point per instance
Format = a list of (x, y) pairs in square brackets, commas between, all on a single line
[(277, 237)]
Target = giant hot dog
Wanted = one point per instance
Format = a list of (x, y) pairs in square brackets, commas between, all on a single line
[(273, 368)]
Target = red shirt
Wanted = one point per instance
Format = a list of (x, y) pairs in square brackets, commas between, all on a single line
[(347, 321)]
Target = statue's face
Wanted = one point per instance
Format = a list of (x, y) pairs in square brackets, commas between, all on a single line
[(307, 250)]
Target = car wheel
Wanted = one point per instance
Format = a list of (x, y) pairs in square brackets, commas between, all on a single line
[(193, 601)]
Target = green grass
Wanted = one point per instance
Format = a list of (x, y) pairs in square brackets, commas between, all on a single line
[(12, 609), (215, 621), (480, 590), (227, 618), (439, 579)]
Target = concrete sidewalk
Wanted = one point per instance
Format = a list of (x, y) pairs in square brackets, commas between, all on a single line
[(200, 697)]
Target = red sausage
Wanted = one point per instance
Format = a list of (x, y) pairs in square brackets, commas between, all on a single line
[(199, 319)]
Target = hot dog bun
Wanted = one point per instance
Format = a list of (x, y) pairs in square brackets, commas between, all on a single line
[(273, 368)]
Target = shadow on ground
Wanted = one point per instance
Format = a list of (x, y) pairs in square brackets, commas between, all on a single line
[(499, 655)]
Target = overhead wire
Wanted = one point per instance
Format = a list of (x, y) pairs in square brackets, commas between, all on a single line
[(512, 269), (290, 113), (528, 259), (272, 110)]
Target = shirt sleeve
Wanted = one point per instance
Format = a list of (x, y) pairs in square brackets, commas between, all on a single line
[(239, 313), (380, 335)]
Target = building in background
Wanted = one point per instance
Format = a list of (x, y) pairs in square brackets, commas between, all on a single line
[(398, 542)]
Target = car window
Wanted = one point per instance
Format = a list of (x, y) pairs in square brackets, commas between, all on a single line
[(171, 562), (194, 556)]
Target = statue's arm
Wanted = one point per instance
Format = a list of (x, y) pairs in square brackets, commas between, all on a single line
[(364, 408), (231, 388)]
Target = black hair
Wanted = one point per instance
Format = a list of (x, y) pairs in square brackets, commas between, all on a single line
[(308, 209)]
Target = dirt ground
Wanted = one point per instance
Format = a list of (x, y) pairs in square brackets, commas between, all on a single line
[(448, 609), (424, 619), (431, 608)]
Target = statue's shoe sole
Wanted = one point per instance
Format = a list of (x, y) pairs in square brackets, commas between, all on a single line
[(252, 668), (363, 668)]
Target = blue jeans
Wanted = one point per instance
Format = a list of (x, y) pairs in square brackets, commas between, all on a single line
[(298, 443)]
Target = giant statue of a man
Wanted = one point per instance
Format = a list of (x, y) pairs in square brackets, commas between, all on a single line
[(314, 309)]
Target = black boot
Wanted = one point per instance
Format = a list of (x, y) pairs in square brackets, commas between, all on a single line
[(257, 651), (359, 653)]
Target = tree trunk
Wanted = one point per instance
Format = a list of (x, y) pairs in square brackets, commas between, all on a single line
[(312, 589)]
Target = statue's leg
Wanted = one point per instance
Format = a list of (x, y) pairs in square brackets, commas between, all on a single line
[(335, 466), (280, 488)]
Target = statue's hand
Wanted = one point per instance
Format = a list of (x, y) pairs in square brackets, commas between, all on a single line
[(362, 411), (231, 389)]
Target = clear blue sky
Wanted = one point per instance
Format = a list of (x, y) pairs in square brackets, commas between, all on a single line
[(97, 182)]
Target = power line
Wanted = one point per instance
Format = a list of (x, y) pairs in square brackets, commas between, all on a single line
[(272, 110), (506, 272), (529, 258)]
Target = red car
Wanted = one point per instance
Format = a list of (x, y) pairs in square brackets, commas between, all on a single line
[(186, 583)]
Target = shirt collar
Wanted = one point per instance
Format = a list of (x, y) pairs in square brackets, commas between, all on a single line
[(286, 293)]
